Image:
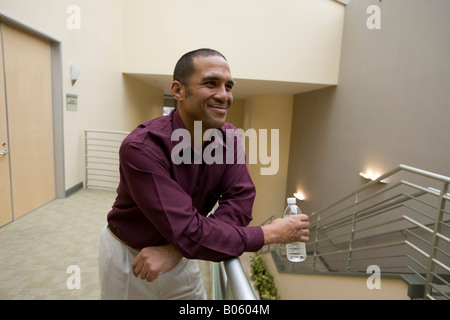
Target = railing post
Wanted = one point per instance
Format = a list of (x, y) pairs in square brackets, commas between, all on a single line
[(316, 241), (85, 158), (435, 241), (352, 236)]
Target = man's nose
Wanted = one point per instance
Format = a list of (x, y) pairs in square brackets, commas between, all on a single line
[(222, 95)]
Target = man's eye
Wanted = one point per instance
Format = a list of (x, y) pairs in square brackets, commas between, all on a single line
[(211, 84)]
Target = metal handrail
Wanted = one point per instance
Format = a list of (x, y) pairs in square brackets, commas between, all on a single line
[(230, 281), (402, 220)]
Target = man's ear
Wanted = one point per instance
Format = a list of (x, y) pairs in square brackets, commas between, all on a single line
[(178, 90)]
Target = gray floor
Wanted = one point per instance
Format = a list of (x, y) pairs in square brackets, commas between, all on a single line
[(42, 252)]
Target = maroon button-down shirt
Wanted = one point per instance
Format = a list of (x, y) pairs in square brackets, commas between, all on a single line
[(160, 202)]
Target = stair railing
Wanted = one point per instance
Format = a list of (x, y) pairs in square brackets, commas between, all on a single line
[(398, 222), (403, 228)]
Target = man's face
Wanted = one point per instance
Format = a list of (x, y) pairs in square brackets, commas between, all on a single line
[(208, 97)]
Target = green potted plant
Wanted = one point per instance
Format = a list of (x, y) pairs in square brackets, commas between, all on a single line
[(263, 280)]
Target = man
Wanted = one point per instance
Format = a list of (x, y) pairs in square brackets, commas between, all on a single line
[(159, 221)]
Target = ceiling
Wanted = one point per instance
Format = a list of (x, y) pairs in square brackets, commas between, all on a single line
[(243, 88)]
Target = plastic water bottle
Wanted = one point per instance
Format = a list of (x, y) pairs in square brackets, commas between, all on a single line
[(296, 251)]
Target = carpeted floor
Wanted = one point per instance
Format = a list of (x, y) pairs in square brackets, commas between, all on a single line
[(42, 253)]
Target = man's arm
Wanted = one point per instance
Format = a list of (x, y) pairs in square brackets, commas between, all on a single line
[(154, 261)]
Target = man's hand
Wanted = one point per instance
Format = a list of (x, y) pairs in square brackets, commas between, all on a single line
[(154, 261), (287, 230)]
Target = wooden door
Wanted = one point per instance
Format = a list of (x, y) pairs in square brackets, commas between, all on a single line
[(28, 78), (5, 182)]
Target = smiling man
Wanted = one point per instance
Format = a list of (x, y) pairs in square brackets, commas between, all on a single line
[(159, 221)]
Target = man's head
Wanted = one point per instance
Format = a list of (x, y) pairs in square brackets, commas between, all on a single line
[(202, 85), (185, 66)]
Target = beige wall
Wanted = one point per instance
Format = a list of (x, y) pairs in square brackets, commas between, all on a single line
[(106, 99), (269, 112), (332, 287), (117, 36), (263, 39)]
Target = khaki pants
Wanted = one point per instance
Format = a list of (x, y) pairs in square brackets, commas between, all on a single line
[(117, 281)]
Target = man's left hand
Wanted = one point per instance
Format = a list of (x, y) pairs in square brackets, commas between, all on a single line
[(154, 261)]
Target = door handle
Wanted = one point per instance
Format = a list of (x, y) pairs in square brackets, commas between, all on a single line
[(3, 152)]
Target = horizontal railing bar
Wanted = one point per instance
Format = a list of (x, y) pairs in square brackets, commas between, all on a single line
[(365, 229), (392, 244), (106, 131), (383, 177), (418, 237), (114, 165), (91, 150), (348, 220), (438, 290), (425, 173), (441, 236), (445, 253), (422, 201), (423, 214), (418, 224), (415, 186), (379, 257), (417, 273), (441, 264), (107, 143), (103, 139), (92, 177), (440, 278), (102, 180), (364, 187), (393, 204), (102, 157), (367, 211), (377, 225), (417, 249), (322, 219), (416, 261), (100, 169)]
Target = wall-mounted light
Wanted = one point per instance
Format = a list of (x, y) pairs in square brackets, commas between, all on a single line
[(74, 72), (370, 175), (300, 196)]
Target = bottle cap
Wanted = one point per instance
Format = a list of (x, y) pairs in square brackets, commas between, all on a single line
[(291, 200)]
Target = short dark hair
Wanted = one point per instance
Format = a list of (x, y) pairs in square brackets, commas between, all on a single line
[(185, 66)]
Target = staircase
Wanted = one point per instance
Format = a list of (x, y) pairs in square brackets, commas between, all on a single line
[(402, 226)]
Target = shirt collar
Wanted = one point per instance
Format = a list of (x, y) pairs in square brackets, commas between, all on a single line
[(218, 138)]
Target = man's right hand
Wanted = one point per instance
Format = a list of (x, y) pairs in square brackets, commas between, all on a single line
[(287, 230)]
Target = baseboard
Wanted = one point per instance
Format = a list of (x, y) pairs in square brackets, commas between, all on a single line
[(74, 189)]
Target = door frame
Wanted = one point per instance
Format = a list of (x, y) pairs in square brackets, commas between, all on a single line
[(57, 98)]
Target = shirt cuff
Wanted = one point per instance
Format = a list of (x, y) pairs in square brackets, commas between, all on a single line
[(254, 237)]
